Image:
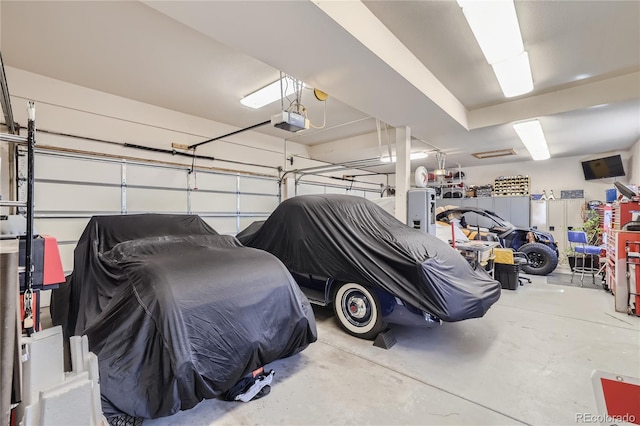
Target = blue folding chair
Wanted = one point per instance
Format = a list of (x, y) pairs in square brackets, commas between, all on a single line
[(580, 245)]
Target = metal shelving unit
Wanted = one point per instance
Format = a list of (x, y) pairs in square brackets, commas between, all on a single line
[(511, 185)]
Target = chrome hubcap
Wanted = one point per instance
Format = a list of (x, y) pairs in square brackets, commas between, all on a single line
[(357, 307)]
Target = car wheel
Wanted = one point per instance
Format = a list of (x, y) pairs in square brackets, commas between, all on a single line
[(542, 259), (358, 310)]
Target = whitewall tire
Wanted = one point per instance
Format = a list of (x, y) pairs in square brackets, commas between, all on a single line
[(358, 310)]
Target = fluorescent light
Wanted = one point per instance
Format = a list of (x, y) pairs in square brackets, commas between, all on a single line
[(412, 156), (532, 136), (495, 26), (269, 94), (514, 75)]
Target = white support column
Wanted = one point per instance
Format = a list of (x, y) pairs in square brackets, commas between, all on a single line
[(403, 171)]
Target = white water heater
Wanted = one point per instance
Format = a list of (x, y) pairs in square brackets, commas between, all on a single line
[(421, 209)]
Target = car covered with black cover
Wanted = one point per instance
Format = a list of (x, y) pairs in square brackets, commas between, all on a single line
[(362, 249), (175, 312)]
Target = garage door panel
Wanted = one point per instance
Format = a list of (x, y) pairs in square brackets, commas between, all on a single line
[(156, 200), (248, 220), (223, 225), (310, 189), (364, 194), (216, 181), (66, 256), (303, 189), (371, 195), (257, 204), (156, 176), (62, 229), (261, 186), (76, 169), (212, 202), (333, 190), (77, 198)]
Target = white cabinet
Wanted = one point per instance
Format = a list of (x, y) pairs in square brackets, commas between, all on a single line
[(556, 217)]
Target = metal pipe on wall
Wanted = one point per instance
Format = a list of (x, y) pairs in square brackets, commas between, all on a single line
[(8, 322), (28, 263)]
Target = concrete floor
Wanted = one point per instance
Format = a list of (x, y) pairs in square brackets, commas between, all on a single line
[(528, 361)]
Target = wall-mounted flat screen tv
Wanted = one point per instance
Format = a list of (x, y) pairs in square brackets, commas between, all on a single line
[(603, 168)]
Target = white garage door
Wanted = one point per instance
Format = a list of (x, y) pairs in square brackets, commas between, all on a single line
[(70, 188), (308, 188)]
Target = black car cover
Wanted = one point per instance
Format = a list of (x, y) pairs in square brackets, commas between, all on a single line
[(352, 239), (177, 313)]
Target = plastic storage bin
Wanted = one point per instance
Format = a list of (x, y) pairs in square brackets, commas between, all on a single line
[(507, 275)]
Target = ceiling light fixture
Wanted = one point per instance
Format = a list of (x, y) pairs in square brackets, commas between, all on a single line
[(495, 26), (514, 75), (412, 156), (532, 136), (270, 93)]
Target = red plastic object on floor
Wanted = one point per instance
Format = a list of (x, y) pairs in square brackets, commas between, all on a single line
[(52, 269)]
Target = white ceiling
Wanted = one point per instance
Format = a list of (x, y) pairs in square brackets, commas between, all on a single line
[(407, 63)]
